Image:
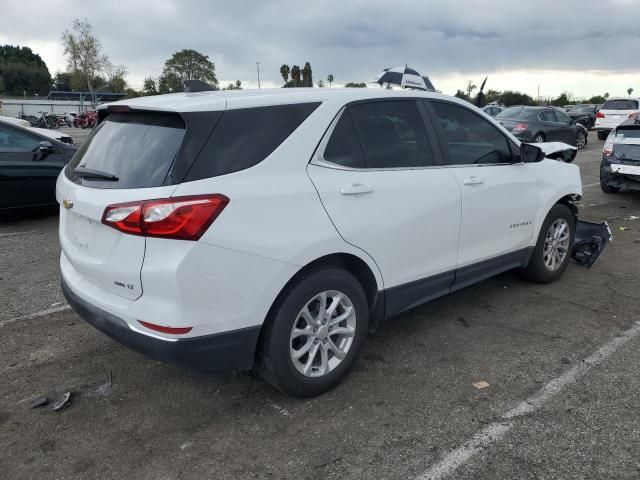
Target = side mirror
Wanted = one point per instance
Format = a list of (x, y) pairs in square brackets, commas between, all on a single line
[(45, 148), (530, 153)]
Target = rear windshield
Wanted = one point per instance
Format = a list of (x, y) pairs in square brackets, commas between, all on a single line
[(515, 113), (137, 149), (622, 133), (621, 104)]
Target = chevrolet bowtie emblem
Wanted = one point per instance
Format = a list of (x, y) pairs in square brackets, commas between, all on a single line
[(68, 204)]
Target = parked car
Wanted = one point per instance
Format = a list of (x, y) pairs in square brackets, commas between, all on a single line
[(585, 114), (492, 110), (543, 124), (29, 166), (613, 112), (620, 167), (56, 135), (274, 230)]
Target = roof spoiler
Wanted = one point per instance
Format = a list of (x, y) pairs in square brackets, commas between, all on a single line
[(193, 86)]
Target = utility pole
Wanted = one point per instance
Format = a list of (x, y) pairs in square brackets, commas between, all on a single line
[(258, 68)]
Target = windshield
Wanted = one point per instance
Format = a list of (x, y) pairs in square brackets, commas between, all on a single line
[(138, 149)]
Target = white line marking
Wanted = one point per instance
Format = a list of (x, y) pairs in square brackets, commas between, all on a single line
[(31, 316), (590, 185), (496, 430), (13, 234)]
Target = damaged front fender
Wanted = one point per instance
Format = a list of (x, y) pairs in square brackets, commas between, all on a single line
[(590, 241)]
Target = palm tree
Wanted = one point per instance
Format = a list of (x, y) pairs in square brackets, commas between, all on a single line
[(284, 71), (307, 78), (295, 75), (330, 80), (629, 91)]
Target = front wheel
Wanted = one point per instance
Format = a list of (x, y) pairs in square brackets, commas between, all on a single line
[(314, 332), (552, 251), (581, 140), (539, 138)]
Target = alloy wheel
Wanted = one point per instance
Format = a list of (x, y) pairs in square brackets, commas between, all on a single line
[(556, 244), (322, 333)]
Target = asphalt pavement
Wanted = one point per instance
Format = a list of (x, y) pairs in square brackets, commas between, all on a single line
[(561, 363)]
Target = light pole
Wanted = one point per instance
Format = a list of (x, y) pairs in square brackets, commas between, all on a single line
[(258, 68)]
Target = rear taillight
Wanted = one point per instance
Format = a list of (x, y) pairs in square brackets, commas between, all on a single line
[(607, 151), (181, 218), (520, 127), (163, 329), (599, 115)]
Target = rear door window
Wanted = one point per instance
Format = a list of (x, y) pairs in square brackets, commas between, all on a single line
[(620, 104), (245, 137), (136, 148), (343, 147), (546, 116)]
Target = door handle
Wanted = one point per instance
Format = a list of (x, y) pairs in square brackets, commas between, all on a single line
[(356, 189), (473, 181)]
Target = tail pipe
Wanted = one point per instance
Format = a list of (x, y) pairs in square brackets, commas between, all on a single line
[(590, 241)]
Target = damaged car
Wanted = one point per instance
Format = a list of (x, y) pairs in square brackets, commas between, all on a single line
[(620, 167), (275, 230)]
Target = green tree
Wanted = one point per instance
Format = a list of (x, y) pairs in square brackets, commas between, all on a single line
[(565, 98), (491, 95), (84, 52), (150, 86), (356, 85), (460, 94), (295, 76), (470, 88), (284, 71), (307, 76), (62, 82), (330, 79), (509, 98), (597, 99), (629, 91), (21, 70), (186, 65), (234, 86), (170, 82)]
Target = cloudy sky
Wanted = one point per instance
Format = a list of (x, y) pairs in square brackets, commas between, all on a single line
[(582, 46)]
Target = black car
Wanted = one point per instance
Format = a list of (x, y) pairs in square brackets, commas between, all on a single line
[(620, 165), (543, 124), (584, 114), (29, 166)]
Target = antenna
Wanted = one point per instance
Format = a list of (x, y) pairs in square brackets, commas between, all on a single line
[(258, 68)]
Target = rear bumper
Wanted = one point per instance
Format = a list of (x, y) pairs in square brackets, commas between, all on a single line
[(619, 175), (233, 350)]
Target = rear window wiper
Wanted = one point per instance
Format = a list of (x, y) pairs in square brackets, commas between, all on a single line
[(97, 174)]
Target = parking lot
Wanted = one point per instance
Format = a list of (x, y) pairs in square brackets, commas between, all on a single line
[(408, 410)]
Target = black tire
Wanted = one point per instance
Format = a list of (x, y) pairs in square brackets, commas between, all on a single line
[(538, 137), (581, 134), (536, 270), (274, 362), (602, 135)]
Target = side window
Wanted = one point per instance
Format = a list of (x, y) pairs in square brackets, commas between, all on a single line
[(546, 116), (392, 135), (245, 137), (12, 140), (562, 118), (470, 138), (343, 147)]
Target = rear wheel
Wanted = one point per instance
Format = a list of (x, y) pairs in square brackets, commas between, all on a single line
[(314, 333), (553, 249), (581, 140), (539, 138)]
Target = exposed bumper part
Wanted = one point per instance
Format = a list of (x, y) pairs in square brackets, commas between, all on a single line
[(591, 240), (232, 350)]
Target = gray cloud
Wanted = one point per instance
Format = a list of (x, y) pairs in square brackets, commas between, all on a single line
[(353, 40)]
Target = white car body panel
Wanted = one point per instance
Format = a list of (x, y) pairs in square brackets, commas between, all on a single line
[(613, 118), (285, 213)]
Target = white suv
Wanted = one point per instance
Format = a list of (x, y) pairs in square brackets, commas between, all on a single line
[(613, 112), (274, 229)]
